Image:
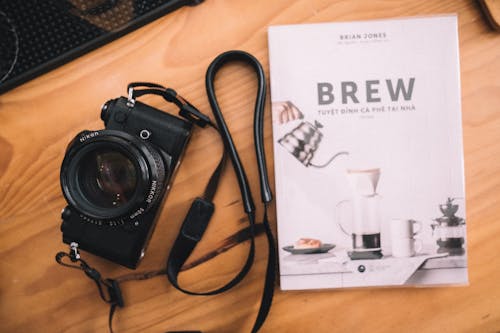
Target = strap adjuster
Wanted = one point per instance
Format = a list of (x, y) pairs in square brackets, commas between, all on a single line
[(192, 114), (186, 109), (197, 219)]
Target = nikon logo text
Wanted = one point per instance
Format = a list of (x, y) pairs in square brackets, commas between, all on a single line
[(152, 192), (87, 136)]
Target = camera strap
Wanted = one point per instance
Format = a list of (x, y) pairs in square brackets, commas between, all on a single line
[(196, 221), (202, 208)]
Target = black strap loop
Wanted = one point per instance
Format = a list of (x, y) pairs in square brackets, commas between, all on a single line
[(220, 61)]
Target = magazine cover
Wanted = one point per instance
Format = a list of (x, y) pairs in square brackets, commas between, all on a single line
[(367, 135)]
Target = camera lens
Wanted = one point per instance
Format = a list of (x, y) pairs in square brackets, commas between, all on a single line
[(111, 175), (107, 178)]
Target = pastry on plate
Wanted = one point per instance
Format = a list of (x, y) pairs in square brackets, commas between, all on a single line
[(307, 243)]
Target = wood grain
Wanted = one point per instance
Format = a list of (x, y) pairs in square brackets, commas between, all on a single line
[(38, 119)]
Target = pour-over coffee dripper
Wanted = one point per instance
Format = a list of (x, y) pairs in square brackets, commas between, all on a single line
[(303, 141), (366, 219)]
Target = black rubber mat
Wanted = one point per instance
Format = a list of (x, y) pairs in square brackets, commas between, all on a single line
[(39, 35)]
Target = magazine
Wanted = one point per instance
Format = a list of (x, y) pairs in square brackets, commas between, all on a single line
[(367, 135)]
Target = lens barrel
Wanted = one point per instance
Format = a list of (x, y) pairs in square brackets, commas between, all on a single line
[(112, 176)]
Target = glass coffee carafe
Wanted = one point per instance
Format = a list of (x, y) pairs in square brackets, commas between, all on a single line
[(360, 217)]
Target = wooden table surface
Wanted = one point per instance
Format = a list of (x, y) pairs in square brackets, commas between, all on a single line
[(38, 119)]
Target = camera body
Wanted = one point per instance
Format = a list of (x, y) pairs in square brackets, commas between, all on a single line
[(115, 179)]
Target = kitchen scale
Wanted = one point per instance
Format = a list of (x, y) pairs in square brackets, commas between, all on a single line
[(37, 36)]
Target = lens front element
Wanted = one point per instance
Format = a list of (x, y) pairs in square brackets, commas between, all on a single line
[(107, 178)]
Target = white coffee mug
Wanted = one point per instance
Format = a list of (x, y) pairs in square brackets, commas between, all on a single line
[(405, 228), (406, 247)]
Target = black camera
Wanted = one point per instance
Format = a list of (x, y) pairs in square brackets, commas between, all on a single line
[(115, 179)]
